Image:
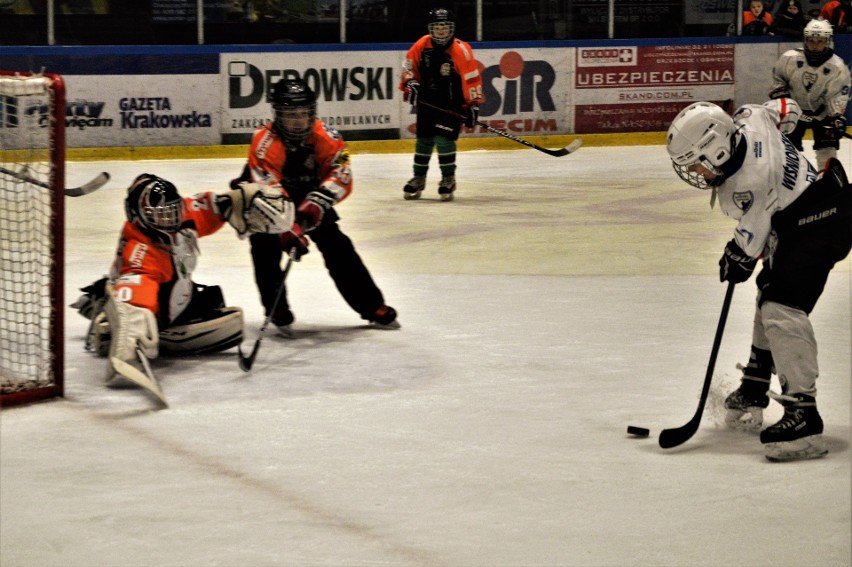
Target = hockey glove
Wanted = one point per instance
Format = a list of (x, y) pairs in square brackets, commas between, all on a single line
[(310, 212), (294, 240), (835, 126), (410, 93), (253, 208), (735, 266), (471, 115)]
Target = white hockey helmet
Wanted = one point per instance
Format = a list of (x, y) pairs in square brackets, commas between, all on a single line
[(702, 133), (818, 30)]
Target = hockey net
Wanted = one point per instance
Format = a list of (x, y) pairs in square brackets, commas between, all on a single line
[(32, 179)]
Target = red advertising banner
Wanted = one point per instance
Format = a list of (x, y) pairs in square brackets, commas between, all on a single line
[(642, 88)]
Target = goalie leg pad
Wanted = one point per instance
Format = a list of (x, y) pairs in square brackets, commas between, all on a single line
[(223, 330), (130, 327)]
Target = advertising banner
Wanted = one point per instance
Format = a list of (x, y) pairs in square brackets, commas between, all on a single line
[(147, 110), (357, 92), (641, 88), (525, 92)]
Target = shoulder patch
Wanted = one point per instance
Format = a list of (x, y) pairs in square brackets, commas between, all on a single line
[(743, 200)]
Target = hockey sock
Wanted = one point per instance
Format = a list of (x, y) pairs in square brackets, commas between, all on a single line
[(446, 155), (422, 155)]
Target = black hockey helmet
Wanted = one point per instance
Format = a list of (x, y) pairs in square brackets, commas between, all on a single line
[(441, 26), (294, 107), (154, 203)]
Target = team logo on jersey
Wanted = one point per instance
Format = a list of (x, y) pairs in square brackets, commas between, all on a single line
[(743, 200), (808, 80), (446, 69)]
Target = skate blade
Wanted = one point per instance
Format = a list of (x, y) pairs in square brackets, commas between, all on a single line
[(412, 196), (745, 420), (811, 447)]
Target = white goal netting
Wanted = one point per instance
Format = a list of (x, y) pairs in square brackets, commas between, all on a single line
[(31, 236)]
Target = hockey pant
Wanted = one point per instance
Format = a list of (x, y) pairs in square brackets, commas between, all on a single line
[(343, 263), (809, 237)]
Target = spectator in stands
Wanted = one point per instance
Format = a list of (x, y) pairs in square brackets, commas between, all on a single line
[(756, 20), (789, 20), (838, 13)]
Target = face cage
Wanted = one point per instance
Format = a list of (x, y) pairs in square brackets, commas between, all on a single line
[(694, 178), (166, 218), (451, 29), (289, 133)]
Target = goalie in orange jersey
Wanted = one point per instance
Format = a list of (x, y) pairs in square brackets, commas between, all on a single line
[(149, 300)]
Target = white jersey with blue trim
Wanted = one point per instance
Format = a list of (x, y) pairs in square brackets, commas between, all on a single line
[(765, 174)]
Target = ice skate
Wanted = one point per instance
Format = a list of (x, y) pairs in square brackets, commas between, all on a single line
[(745, 405), (798, 435), (447, 187), (385, 318), (283, 321), (414, 188)]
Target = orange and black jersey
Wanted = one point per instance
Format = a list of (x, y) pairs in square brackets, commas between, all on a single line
[(448, 75), (319, 163)]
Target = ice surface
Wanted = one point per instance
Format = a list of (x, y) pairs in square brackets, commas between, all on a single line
[(553, 303)]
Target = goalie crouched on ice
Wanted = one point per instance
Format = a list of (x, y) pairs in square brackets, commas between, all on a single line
[(149, 300)]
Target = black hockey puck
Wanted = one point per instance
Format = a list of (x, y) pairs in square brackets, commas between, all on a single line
[(637, 431)]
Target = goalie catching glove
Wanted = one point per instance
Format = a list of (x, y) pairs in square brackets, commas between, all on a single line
[(251, 208)]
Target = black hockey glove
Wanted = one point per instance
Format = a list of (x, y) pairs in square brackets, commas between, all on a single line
[(835, 126), (471, 115), (735, 266), (410, 93)]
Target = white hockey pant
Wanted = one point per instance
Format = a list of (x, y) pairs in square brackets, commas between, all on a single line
[(791, 340)]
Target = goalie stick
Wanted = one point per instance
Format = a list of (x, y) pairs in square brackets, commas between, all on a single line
[(90, 187), (675, 436), (146, 380), (246, 362), (570, 148)]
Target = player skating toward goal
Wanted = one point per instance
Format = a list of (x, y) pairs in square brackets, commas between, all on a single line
[(799, 221), (818, 79), (149, 301)]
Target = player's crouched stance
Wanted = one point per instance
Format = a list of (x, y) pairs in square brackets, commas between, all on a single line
[(149, 302), (800, 222)]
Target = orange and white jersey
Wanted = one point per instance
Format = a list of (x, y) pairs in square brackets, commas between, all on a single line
[(463, 62), (153, 269), (320, 162)]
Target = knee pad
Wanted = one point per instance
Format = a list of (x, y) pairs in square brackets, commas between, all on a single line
[(223, 329)]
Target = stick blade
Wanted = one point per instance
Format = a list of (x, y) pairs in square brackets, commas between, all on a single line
[(677, 435), (90, 187), (570, 148)]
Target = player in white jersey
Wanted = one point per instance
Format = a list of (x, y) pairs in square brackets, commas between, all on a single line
[(800, 222), (818, 79)]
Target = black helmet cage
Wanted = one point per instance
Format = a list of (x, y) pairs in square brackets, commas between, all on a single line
[(154, 203), (441, 17), (291, 95)]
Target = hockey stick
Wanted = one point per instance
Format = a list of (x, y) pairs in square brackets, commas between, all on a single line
[(246, 362), (146, 379), (90, 187), (572, 147), (675, 436)]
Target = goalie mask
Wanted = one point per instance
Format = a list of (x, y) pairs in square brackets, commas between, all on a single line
[(441, 26), (154, 203), (818, 42), (702, 134), (294, 107)]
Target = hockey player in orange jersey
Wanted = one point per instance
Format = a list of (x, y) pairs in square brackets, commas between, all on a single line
[(149, 300), (439, 69), (309, 161)]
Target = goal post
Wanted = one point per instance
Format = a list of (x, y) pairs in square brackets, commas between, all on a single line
[(32, 236)]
